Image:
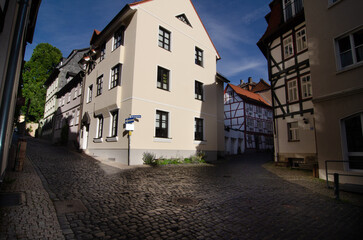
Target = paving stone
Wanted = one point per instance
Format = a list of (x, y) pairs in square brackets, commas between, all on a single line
[(242, 198)]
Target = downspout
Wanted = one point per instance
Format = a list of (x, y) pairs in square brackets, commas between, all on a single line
[(10, 80)]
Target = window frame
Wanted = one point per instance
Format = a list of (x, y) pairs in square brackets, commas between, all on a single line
[(160, 79), (118, 38), (103, 52), (198, 90), (199, 56), (164, 35), (99, 83), (294, 8), (198, 135), (293, 134), (289, 100), (352, 50), (289, 45), (308, 85), (99, 129), (114, 123), (89, 93), (115, 82), (162, 132), (301, 40)]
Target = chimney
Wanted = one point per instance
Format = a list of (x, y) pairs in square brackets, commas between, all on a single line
[(249, 80)]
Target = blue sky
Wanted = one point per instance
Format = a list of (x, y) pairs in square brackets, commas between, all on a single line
[(235, 26)]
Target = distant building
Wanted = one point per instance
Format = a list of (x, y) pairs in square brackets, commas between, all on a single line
[(17, 23), (335, 35), (248, 119), (63, 97), (285, 46), (154, 59)]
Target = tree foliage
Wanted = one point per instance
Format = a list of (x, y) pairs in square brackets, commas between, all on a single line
[(36, 71)]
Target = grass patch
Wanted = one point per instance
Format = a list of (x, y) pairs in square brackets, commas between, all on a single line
[(149, 159)]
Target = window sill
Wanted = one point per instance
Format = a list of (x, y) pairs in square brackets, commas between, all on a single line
[(293, 141), (98, 140), (112, 139), (200, 142), (164, 140), (348, 68)]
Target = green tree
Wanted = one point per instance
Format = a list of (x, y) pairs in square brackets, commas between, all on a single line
[(36, 71)]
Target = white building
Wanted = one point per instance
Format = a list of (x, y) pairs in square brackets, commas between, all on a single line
[(248, 121), (285, 46), (154, 59)]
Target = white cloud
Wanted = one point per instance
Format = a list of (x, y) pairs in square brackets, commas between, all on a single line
[(230, 69), (255, 15)]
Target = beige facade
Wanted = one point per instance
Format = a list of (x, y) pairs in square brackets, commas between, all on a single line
[(336, 54), (13, 39), (159, 40)]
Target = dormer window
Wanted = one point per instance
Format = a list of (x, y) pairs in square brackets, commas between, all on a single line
[(184, 19), (103, 52), (291, 8)]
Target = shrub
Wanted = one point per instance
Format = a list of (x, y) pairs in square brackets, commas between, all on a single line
[(149, 158)]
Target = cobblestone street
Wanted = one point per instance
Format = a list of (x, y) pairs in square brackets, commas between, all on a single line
[(235, 200)]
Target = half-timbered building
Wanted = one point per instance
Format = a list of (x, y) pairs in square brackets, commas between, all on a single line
[(247, 120), (285, 47)]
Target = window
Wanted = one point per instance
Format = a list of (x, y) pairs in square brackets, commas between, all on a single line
[(198, 89), (291, 8), (80, 89), (259, 125), (75, 93), (90, 88), (63, 100), (306, 87), (288, 47), (198, 129), (293, 131), (118, 38), (115, 76), (292, 91), (99, 126), (350, 49), (163, 78), (353, 127), (69, 97), (301, 42), (77, 117), (114, 120), (72, 119), (198, 56), (164, 38), (161, 124), (184, 19), (269, 127), (103, 52), (99, 85)]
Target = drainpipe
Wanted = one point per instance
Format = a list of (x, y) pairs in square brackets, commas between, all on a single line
[(10, 80)]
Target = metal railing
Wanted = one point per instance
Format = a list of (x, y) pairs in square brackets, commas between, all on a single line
[(336, 175)]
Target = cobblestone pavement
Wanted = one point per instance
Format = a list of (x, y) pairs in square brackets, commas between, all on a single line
[(35, 218), (235, 200)]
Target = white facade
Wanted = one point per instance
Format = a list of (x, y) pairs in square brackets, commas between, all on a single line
[(248, 121), (285, 46), (154, 63)]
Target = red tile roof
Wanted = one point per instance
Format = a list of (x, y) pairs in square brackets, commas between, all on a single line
[(247, 94), (139, 2), (261, 86)]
